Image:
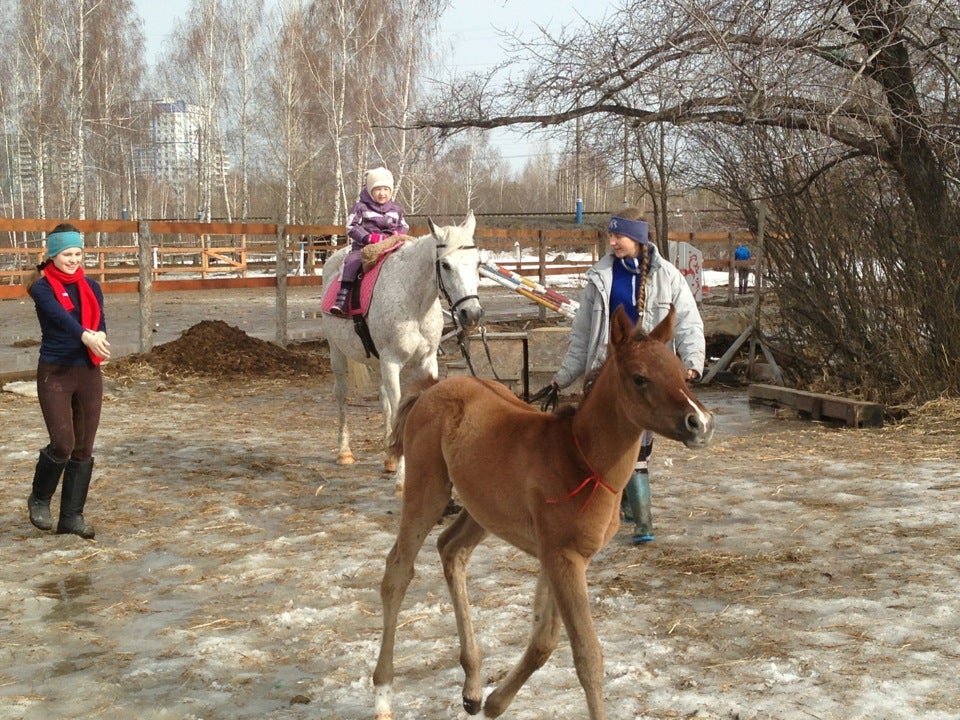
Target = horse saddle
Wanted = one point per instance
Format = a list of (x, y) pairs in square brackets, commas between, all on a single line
[(362, 291)]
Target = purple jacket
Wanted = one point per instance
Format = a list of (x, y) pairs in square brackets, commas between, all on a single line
[(372, 217)]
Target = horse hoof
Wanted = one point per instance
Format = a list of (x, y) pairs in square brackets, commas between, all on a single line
[(398, 487), (390, 466), (472, 706), (346, 459)]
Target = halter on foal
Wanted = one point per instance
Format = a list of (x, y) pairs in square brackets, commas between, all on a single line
[(548, 484)]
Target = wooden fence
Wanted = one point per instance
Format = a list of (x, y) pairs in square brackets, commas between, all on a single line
[(159, 255), (239, 250)]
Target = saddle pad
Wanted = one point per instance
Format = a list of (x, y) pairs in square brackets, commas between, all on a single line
[(372, 253), (367, 282)]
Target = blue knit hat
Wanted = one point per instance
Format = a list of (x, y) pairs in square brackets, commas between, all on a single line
[(57, 242)]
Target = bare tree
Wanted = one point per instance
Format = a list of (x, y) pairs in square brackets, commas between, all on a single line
[(863, 83), (197, 66), (246, 19), (35, 45), (284, 100), (108, 74)]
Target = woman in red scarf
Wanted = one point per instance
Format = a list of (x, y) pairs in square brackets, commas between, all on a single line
[(69, 383)]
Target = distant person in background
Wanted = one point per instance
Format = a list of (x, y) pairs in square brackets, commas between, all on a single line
[(742, 254), (69, 383), (635, 276), (374, 217)]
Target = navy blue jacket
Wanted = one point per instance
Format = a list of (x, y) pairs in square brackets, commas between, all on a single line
[(60, 330)]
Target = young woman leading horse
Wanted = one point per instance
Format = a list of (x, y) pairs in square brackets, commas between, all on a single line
[(549, 484)]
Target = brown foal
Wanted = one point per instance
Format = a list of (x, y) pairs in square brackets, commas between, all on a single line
[(549, 484)]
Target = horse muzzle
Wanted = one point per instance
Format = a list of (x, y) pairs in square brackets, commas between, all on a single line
[(698, 429), (468, 312)]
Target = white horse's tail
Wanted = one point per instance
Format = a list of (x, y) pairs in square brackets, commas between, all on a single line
[(359, 375)]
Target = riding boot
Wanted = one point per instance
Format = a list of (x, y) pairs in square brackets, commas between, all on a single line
[(637, 496), (76, 482), (340, 305), (46, 477)]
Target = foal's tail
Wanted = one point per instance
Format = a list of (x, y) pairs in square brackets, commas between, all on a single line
[(409, 399)]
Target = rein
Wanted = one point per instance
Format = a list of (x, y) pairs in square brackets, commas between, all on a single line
[(461, 335), (594, 477)]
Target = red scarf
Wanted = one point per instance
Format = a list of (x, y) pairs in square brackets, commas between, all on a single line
[(89, 305)]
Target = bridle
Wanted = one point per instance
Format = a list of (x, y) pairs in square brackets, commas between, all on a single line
[(461, 333), (442, 288)]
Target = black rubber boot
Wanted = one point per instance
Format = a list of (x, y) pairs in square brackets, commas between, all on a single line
[(76, 482), (340, 305), (46, 477)]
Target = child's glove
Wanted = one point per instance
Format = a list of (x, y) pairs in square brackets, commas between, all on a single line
[(374, 238)]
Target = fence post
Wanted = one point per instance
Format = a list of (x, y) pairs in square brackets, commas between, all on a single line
[(101, 262), (145, 287), (541, 269), (282, 285), (731, 247)]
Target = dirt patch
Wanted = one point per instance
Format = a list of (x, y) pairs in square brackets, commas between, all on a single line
[(214, 348)]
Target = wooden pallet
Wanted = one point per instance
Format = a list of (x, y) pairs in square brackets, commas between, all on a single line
[(854, 413)]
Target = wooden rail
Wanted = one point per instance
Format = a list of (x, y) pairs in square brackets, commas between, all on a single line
[(220, 250), (817, 406)]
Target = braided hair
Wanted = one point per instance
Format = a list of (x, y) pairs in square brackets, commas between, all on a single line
[(642, 281), (634, 213)]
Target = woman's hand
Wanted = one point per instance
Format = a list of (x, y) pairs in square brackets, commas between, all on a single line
[(97, 343)]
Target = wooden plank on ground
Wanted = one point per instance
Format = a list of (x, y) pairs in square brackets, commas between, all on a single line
[(854, 413)]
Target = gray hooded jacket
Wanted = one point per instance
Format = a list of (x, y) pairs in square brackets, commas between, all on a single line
[(590, 332)]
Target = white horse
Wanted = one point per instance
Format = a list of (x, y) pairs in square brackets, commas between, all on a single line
[(405, 318)]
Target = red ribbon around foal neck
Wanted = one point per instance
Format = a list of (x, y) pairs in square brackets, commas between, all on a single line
[(594, 478)]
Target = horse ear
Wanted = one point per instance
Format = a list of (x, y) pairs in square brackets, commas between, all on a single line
[(470, 222), (434, 230), (621, 329), (664, 331)]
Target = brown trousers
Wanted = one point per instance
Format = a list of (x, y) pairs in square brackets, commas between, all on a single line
[(71, 397)]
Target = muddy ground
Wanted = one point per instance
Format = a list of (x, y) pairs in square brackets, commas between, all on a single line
[(800, 570)]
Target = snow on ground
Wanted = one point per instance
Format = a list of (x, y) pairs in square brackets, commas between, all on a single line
[(799, 571)]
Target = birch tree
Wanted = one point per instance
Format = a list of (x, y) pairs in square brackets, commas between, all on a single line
[(35, 46), (247, 19), (284, 101), (197, 66)]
